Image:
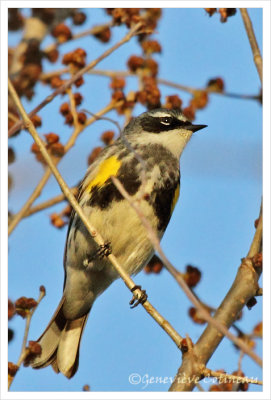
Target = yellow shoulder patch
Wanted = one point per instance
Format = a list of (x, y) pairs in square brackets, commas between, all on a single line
[(107, 168), (175, 198)]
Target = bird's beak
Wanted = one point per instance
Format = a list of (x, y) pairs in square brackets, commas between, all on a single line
[(195, 128)]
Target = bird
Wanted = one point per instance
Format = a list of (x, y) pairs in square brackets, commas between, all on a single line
[(146, 160)]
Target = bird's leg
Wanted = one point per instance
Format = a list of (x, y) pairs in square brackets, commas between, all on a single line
[(103, 251), (143, 297)]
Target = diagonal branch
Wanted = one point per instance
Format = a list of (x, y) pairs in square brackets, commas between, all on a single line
[(165, 325), (253, 42)]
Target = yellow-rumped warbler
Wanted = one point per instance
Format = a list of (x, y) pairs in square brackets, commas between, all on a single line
[(145, 159)]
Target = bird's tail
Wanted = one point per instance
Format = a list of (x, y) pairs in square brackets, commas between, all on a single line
[(60, 343)]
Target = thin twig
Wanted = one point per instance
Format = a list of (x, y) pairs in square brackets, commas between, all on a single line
[(165, 325), (161, 81), (184, 88), (133, 31), (253, 42), (26, 331), (216, 324), (16, 218), (88, 32), (48, 203), (77, 127)]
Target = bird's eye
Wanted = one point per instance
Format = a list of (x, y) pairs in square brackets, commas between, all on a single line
[(166, 120)]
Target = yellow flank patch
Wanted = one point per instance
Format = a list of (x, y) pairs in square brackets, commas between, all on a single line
[(175, 198), (107, 168)]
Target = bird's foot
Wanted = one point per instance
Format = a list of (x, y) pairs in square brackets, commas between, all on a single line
[(103, 251), (141, 300)]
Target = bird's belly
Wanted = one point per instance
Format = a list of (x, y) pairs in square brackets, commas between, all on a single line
[(129, 242)]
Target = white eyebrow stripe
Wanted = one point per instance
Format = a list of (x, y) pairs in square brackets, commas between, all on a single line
[(160, 114)]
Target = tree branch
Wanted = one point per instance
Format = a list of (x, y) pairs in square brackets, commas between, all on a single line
[(253, 42), (48, 203), (243, 289)]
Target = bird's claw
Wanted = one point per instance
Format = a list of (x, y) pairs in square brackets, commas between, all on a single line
[(143, 297)]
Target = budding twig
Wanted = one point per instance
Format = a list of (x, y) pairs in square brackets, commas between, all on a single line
[(27, 326), (48, 203)]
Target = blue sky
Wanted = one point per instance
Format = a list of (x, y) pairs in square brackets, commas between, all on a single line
[(212, 225)]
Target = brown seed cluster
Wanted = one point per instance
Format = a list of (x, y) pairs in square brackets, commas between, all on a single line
[(225, 13), (107, 137), (52, 55), (32, 350), (59, 220), (75, 59), (127, 16), (102, 33), (62, 33), (52, 144), (24, 305), (66, 111), (154, 266), (198, 101), (12, 369), (148, 65), (151, 46), (192, 276), (78, 17), (195, 315), (173, 101), (36, 120), (216, 85), (150, 94)]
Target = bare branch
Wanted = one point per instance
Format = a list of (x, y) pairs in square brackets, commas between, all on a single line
[(48, 203), (253, 42)]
